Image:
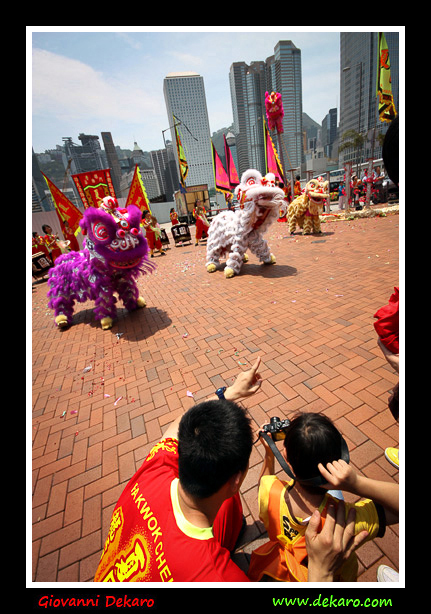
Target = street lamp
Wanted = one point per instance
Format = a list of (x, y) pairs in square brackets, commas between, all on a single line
[(345, 69)]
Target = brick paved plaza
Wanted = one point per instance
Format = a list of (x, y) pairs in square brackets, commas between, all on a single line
[(101, 399)]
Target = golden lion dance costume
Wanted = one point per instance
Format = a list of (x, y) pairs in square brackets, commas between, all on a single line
[(233, 233), (305, 210)]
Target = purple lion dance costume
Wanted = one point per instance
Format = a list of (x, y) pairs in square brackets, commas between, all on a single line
[(115, 254)]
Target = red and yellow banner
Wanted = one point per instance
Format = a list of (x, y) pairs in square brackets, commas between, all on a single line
[(273, 164), (387, 110), (93, 186), (137, 192), (66, 210)]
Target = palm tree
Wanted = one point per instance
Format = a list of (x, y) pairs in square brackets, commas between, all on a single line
[(353, 139)]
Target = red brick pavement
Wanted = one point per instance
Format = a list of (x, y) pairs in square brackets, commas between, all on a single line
[(310, 318)]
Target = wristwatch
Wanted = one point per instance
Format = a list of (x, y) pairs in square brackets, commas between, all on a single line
[(220, 392)]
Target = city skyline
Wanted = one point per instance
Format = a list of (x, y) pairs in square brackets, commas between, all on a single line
[(94, 81)]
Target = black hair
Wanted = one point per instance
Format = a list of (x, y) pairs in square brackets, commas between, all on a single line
[(311, 439), (391, 151), (215, 440)]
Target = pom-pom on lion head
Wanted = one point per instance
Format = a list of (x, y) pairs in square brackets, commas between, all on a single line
[(259, 196)]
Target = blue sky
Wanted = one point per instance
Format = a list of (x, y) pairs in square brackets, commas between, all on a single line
[(91, 80)]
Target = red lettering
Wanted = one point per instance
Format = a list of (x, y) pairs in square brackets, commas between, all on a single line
[(126, 602)]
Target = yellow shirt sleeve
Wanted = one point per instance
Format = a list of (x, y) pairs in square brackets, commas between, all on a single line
[(367, 518)]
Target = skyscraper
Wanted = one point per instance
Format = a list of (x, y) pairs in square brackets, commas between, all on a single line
[(185, 98), (112, 157), (280, 72), (358, 101), (247, 90), (286, 78)]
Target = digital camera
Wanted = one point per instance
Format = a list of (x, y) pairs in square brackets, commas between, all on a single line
[(276, 427)]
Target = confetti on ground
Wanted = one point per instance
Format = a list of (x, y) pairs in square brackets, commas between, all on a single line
[(119, 399), (190, 394), (87, 369)]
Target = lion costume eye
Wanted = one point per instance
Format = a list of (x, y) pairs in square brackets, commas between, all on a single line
[(100, 231)]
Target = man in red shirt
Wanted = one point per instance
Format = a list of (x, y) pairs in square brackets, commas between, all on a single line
[(179, 517)]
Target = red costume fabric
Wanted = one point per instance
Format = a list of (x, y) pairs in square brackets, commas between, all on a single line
[(387, 325), (150, 235), (202, 224), (174, 218), (70, 236), (150, 540), (38, 245), (53, 248)]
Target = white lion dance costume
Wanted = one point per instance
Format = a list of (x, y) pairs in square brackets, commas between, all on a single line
[(233, 233)]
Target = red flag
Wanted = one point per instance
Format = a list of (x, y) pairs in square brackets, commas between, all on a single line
[(137, 192), (230, 166), (93, 186), (66, 210), (222, 182)]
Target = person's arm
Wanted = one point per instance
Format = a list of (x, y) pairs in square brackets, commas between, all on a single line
[(340, 475), (246, 384), (330, 547), (393, 359)]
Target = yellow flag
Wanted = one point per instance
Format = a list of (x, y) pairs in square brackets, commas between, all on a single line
[(184, 167), (387, 110)]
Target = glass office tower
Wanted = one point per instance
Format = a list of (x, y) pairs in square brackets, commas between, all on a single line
[(358, 100), (280, 72), (185, 98)]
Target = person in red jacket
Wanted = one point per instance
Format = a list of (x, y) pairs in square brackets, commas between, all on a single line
[(202, 223), (152, 233), (179, 517), (387, 329), (51, 242), (174, 217)]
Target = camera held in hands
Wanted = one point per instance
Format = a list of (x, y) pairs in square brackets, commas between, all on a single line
[(275, 428)]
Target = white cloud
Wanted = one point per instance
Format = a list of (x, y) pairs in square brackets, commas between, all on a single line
[(69, 89), (187, 59)]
